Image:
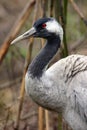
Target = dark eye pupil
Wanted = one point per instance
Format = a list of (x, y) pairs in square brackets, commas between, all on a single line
[(43, 25)]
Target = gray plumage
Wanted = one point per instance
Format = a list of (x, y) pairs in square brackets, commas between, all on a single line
[(63, 87)]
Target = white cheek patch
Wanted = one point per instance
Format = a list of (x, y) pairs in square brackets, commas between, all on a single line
[(54, 27)]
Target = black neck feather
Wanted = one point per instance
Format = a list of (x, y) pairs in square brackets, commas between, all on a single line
[(38, 65)]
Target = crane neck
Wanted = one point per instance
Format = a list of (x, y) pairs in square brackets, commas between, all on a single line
[(38, 65)]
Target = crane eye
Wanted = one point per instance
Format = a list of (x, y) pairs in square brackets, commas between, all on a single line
[(43, 25)]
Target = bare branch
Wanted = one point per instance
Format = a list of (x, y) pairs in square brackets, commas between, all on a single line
[(47, 119), (76, 8), (15, 30)]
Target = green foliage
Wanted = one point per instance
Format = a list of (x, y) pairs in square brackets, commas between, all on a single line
[(59, 121), (65, 10)]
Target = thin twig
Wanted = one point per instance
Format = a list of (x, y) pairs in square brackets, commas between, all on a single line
[(76, 8), (41, 118), (15, 30), (6, 120), (63, 23), (47, 119), (43, 8), (20, 104), (51, 8)]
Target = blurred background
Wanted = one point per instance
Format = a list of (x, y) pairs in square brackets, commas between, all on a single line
[(17, 16)]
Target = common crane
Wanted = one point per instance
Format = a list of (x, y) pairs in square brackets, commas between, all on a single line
[(62, 87)]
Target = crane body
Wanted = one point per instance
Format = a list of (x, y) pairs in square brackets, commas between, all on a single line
[(62, 87), (63, 84)]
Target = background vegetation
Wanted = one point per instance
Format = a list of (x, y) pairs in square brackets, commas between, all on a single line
[(17, 111)]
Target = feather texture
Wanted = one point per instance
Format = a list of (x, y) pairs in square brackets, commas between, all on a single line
[(65, 85)]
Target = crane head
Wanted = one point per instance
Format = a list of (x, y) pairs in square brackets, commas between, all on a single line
[(45, 28)]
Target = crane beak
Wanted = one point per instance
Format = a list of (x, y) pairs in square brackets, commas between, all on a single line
[(24, 36)]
